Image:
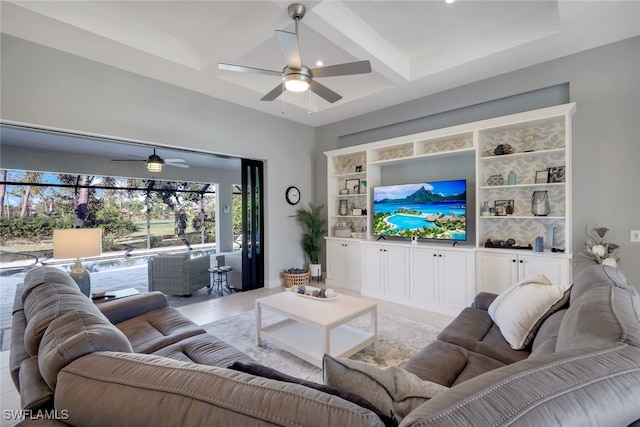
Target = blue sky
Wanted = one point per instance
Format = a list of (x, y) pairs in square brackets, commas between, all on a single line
[(401, 191)]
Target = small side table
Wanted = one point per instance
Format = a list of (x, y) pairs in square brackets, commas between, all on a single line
[(219, 276)]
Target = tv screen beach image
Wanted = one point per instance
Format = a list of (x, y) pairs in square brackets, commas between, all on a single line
[(427, 210)]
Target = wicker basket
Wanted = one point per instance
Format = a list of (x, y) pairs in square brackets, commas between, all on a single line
[(296, 279)]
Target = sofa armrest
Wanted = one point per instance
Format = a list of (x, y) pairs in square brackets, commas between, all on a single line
[(123, 309), (483, 300), (552, 389), (35, 394)]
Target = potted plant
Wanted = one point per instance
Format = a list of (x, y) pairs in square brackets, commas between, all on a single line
[(312, 220)]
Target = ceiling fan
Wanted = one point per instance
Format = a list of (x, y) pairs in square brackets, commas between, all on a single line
[(155, 162), (296, 76)]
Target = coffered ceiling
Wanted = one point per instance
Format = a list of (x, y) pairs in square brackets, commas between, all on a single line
[(415, 47)]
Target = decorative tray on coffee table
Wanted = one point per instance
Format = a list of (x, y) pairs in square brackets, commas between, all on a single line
[(312, 292)]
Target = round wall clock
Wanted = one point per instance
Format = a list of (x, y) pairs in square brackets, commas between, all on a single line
[(292, 195)]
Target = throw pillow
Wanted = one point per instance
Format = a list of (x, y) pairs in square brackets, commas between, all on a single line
[(266, 372), (520, 310), (392, 390)]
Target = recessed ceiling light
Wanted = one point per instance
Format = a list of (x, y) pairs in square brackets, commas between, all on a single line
[(319, 63), (449, 1)]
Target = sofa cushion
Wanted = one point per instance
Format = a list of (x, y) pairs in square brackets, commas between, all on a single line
[(204, 349), (474, 330), (149, 390), (547, 336), (449, 364), (603, 315), (73, 335), (48, 301), (597, 276), (392, 390), (266, 372), (153, 330), (41, 275), (520, 310)]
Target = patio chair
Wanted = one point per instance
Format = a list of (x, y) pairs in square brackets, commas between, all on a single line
[(178, 274)]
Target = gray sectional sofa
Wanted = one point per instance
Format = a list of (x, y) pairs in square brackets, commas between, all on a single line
[(136, 361)]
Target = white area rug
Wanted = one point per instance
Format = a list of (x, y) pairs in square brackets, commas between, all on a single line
[(398, 340)]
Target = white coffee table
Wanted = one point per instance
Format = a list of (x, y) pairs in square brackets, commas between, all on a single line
[(313, 328)]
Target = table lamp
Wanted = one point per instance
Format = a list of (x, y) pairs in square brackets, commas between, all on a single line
[(77, 243)]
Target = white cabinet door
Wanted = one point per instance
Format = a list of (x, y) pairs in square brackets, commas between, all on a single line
[(424, 275), (496, 272), (335, 262), (353, 264), (455, 271), (554, 269), (373, 268), (396, 269)]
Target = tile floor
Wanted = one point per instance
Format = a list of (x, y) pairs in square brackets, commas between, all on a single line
[(211, 311)]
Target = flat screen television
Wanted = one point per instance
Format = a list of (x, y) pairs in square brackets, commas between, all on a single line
[(427, 210)]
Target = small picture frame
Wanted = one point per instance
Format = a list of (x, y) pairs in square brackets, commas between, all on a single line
[(542, 177), (344, 191), (556, 174), (363, 186), (353, 185), (504, 207), (356, 212)]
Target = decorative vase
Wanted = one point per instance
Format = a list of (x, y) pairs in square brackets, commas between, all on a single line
[(485, 209), (538, 244), (549, 242), (315, 270), (512, 178), (344, 207)]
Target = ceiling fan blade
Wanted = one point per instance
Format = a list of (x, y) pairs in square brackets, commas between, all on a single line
[(178, 165), (359, 67), (128, 160), (290, 48), (177, 160), (324, 92), (242, 69), (275, 92)]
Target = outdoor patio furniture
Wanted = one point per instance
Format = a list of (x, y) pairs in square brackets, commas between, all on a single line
[(178, 274)]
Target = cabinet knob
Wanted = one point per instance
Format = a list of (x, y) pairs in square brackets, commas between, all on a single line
[(513, 260), (521, 261), (440, 255), (435, 254)]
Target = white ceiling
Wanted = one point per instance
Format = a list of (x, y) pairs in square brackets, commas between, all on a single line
[(416, 48)]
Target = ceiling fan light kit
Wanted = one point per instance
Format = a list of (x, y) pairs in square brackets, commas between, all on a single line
[(296, 77), (154, 163), (297, 81)]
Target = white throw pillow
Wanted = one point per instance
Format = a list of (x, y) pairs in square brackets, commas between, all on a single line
[(520, 310)]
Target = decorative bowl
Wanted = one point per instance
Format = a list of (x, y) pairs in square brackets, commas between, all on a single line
[(358, 235), (342, 232)]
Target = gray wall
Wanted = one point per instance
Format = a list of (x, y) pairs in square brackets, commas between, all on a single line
[(605, 84), (44, 86), (47, 87)]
